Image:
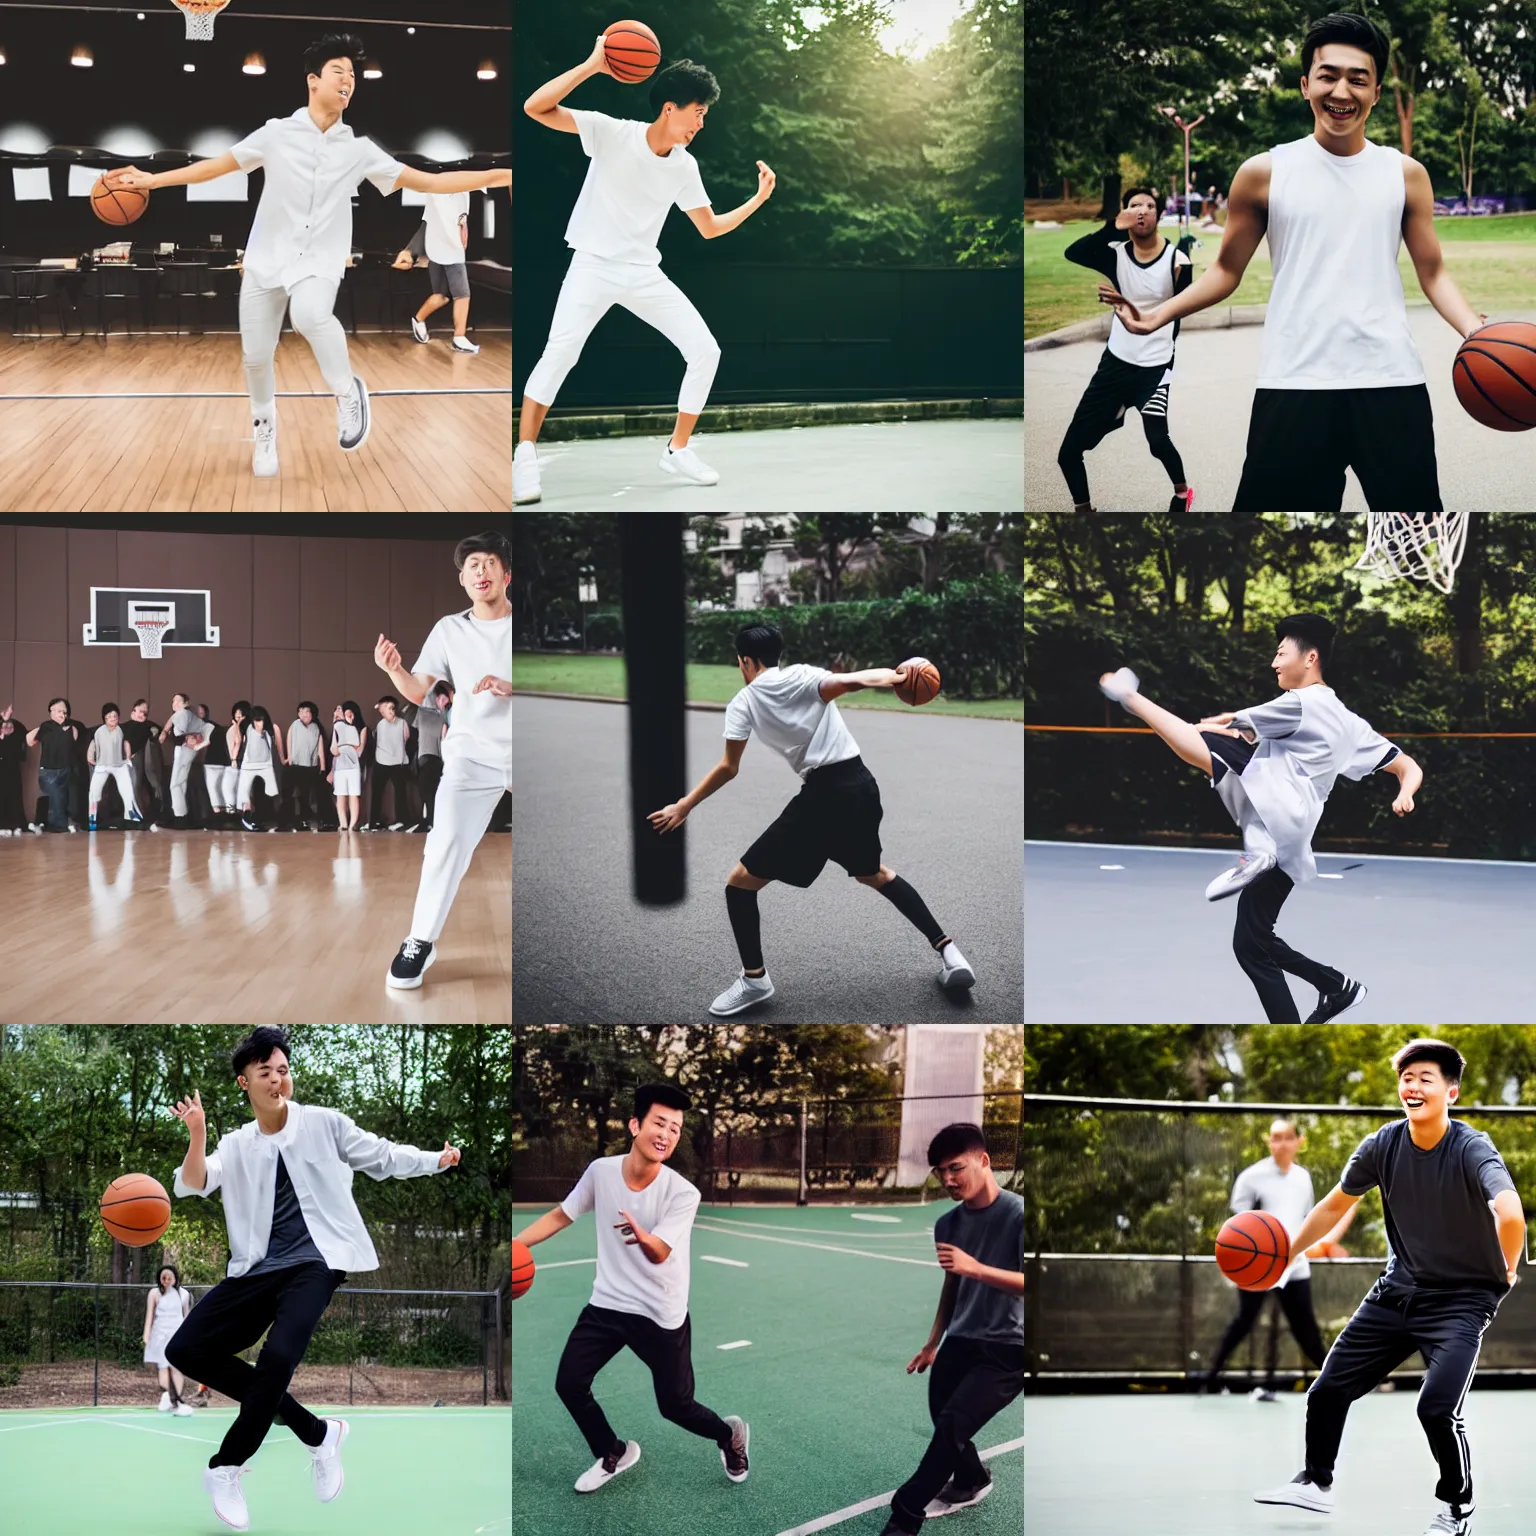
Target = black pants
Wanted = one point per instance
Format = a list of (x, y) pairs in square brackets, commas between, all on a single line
[(1266, 957), (398, 774), (1446, 1328), (429, 773), (970, 1382), (1295, 1300), (600, 1333), (1115, 388), (301, 794), (231, 1317), (13, 813)]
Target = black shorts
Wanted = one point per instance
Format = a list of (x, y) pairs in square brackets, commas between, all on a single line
[(1227, 752), (836, 816)]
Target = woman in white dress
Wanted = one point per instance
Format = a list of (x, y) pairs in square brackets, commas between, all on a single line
[(167, 1305)]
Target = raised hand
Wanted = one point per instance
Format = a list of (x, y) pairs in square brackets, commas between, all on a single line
[(450, 1157), (765, 181), (387, 655), (190, 1113)]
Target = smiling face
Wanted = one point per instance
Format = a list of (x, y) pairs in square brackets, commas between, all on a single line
[(332, 89), (1424, 1092), (1290, 665), (307, 716), (167, 1278), (1341, 90), (656, 1137), (267, 1083)]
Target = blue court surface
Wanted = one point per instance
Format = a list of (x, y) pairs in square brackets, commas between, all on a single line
[(1124, 935)]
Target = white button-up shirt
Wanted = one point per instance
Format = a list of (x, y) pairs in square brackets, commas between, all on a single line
[(320, 1147), (303, 225)]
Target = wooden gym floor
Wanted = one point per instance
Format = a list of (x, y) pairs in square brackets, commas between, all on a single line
[(244, 928), (161, 423)]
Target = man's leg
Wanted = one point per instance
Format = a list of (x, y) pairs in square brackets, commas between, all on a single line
[(1266, 957), (261, 323), (312, 313), (1374, 1342), (597, 1337), (587, 293), (660, 302), (460, 315), (686, 422), (741, 890), (1249, 1305), (1181, 735), (466, 800), (430, 305), (669, 1354), (1450, 1337), (530, 419), (181, 771), (54, 783)]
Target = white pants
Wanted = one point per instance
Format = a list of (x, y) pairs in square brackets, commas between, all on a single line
[(221, 785), (248, 776), (124, 776), (310, 303), (467, 797), (181, 771), (591, 287)]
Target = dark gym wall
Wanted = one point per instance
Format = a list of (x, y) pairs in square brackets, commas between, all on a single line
[(298, 617)]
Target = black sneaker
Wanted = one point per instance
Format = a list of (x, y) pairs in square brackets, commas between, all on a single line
[(408, 966), (734, 1456), (1331, 1004), (956, 1496)]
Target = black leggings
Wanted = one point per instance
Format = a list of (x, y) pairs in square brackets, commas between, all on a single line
[(1295, 1299), (231, 1317), (1266, 957)]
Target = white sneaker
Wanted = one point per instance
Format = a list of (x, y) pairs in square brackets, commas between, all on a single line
[(1451, 1520), (525, 475), (745, 992), (1119, 684), (685, 462), (956, 970), (164, 1405), (464, 344), (1248, 868), (222, 1484), (1302, 1493), (353, 417), (264, 458), (605, 1470), (418, 330), (182, 1411), (326, 1458)]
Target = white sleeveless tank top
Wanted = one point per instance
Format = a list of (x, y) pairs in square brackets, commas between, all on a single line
[(1336, 317)]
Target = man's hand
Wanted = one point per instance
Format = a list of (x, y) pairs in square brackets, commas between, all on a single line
[(1482, 320), (190, 1113), (765, 181), (450, 1157), (131, 179), (1403, 804), (923, 1359), (669, 818), (403, 262), (597, 61), (386, 655), (500, 686), (1130, 317), (957, 1261), (1128, 218), (634, 1233)]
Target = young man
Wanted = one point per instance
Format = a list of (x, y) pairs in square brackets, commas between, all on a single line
[(13, 757), (645, 1214), (473, 652), (979, 1369), (446, 226), (835, 816), (109, 755), (638, 172), (1273, 766), (192, 734), (1280, 1185), (1135, 371), (301, 238), (145, 760), (1455, 1232), (56, 764), (431, 723), (304, 769), (391, 766), (294, 1234), (1340, 381)]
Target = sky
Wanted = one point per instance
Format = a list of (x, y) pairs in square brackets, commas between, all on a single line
[(916, 25)]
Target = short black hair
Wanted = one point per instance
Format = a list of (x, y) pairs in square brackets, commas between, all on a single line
[(311, 706), (389, 698), (760, 642), (355, 707), (334, 45), (60, 700), (1311, 632), (258, 1046), (443, 691), (1347, 27), (665, 1094), (684, 83), (1152, 192), (258, 712), (491, 542), (109, 709), (954, 1141), (1450, 1061), (137, 702), (242, 706)]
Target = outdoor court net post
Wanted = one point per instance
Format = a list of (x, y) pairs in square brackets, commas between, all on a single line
[(651, 554), (803, 1197)]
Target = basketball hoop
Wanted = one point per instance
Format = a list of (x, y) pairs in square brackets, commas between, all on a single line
[(151, 633), (1414, 546), (200, 14)]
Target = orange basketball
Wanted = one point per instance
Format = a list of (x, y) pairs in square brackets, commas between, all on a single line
[(1253, 1249), (121, 206), (136, 1210), (522, 1268), (1495, 376), (922, 682), (631, 51)]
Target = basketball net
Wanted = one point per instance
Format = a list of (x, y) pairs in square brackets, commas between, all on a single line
[(200, 14), (150, 632), (1414, 546)]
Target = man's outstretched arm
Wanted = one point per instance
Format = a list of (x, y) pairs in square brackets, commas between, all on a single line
[(711, 224), (1408, 773), (674, 815)]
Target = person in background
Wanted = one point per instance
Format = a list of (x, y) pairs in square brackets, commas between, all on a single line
[(391, 766), (56, 739), (13, 757), (148, 769), (431, 721), (446, 222), (109, 754), (304, 765), (164, 1311)]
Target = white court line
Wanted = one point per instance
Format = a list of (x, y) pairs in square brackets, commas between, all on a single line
[(725, 1224), (880, 1500), (711, 1258), (736, 1344), (1382, 858), (567, 1263), (895, 1221), (858, 1253)]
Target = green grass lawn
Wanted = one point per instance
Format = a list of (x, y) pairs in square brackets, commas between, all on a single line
[(603, 677), (1489, 258)]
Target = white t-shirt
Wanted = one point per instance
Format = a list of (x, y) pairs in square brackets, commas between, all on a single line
[(461, 650), (626, 1280), (628, 191), (1262, 1187), (303, 224), (1146, 285), (783, 706), (441, 213)]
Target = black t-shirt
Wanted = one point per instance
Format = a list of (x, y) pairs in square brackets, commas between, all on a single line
[(137, 733), (217, 755), (1441, 1232), (13, 748), (290, 1242), (56, 745)]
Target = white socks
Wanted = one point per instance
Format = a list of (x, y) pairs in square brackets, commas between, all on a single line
[(264, 412), (950, 955)]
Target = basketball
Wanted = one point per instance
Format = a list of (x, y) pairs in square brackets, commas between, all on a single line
[(122, 206), (1252, 1250), (136, 1210), (631, 51), (1495, 376), (922, 682), (522, 1268)]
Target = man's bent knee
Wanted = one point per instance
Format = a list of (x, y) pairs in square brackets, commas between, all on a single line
[(744, 879), (884, 877)]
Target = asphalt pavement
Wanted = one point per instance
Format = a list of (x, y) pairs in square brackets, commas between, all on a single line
[(584, 951)]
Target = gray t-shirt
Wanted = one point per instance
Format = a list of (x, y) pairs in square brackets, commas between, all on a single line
[(389, 743), (109, 747), (430, 725), (993, 1236), (1441, 1232), (258, 749), (186, 722), (304, 744)]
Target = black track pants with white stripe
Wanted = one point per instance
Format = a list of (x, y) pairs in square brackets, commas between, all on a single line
[(1447, 1328)]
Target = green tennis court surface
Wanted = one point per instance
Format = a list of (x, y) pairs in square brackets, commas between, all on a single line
[(136, 1472), (803, 1323)]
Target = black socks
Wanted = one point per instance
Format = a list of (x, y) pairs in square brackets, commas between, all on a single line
[(911, 906), (746, 925)]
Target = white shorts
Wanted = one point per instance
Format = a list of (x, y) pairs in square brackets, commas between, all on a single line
[(248, 776), (347, 780)]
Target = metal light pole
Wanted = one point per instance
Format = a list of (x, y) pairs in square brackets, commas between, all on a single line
[(1188, 128), (586, 591)]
